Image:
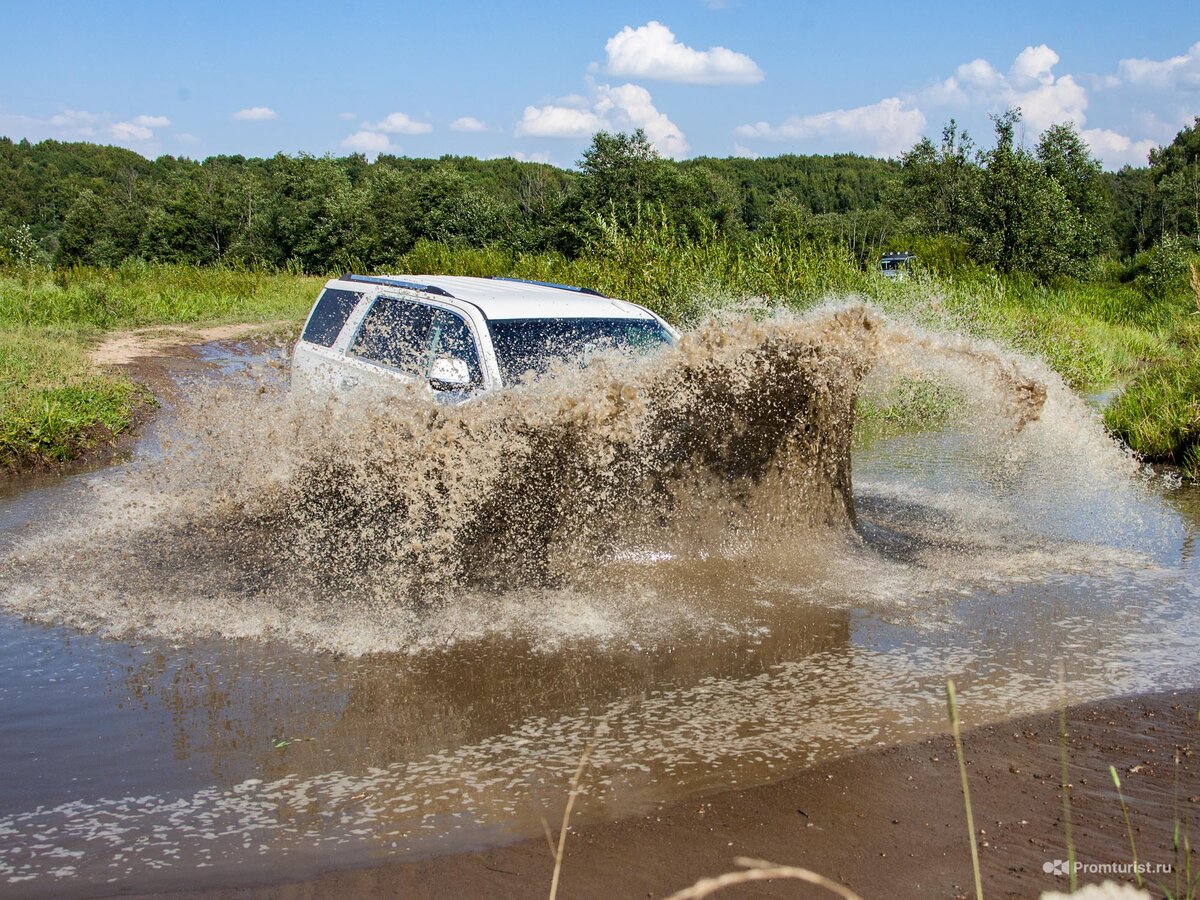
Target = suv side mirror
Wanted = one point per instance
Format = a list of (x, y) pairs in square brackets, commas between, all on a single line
[(449, 374)]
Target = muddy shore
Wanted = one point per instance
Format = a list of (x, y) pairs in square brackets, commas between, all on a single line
[(888, 822)]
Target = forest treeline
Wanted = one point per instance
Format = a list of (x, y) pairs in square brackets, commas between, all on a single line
[(1048, 210)]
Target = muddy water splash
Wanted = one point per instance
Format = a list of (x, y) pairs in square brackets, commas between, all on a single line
[(270, 517)]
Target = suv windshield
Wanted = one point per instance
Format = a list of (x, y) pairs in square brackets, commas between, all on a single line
[(530, 345)]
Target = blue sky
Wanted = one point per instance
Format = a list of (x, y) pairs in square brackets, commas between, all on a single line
[(534, 79)]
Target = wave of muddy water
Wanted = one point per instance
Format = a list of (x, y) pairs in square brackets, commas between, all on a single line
[(282, 637)]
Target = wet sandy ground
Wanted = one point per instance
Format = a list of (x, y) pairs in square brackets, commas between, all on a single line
[(887, 823), (123, 348)]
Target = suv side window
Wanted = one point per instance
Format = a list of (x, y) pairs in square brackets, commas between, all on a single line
[(450, 336), (329, 315), (396, 333)]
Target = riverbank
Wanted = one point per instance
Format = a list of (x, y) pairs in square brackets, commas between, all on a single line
[(888, 822)]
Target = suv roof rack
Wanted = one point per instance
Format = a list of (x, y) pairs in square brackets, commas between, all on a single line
[(396, 282), (551, 284)]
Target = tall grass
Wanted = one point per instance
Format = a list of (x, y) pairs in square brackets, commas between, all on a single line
[(1091, 333), (1065, 784), (1116, 780), (88, 299), (54, 404)]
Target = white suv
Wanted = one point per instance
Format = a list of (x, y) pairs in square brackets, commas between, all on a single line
[(461, 336)]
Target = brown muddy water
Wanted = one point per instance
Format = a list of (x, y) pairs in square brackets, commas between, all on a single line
[(282, 637)]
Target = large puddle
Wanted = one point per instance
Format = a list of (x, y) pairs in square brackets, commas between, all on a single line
[(178, 709)]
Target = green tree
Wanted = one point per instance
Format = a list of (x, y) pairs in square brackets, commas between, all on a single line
[(1067, 159), (1176, 171), (1135, 218), (90, 232), (316, 217), (444, 207), (939, 185), (1023, 220)]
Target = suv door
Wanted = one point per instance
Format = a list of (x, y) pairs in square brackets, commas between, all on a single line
[(399, 339)]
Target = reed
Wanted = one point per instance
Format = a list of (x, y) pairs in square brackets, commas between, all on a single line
[(760, 870), (955, 729), (1065, 784), (572, 796), (1112, 770)]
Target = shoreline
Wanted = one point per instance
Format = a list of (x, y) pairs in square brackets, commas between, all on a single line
[(886, 822)]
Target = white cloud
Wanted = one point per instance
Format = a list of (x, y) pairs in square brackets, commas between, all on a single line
[(630, 106), (467, 123), (75, 121), (129, 131), (1060, 100), (399, 123), (139, 130), (540, 156), (1034, 64), (1115, 149), (620, 108), (744, 152), (886, 128), (558, 122), (255, 114), (652, 51), (347, 116), (372, 143), (1044, 98), (1175, 73)]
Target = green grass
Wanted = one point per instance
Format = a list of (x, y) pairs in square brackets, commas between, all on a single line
[(53, 405), (904, 404), (1158, 413), (90, 300)]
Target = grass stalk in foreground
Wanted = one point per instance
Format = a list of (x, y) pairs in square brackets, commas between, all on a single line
[(1066, 784), (566, 820), (1182, 834), (952, 706), (760, 870), (1112, 770)]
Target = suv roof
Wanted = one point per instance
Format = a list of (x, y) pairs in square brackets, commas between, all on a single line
[(511, 298)]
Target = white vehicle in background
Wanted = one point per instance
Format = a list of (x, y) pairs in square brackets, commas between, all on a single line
[(897, 266), (461, 336)]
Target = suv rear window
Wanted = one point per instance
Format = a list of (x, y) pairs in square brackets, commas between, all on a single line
[(329, 315)]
